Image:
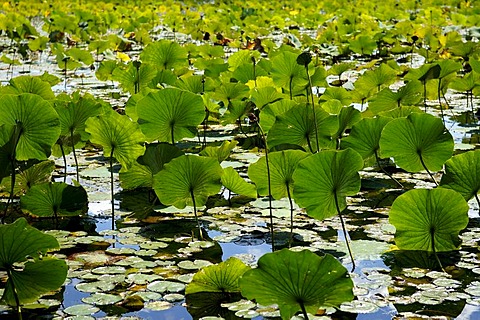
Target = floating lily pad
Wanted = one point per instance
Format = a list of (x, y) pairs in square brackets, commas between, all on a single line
[(81, 310), (102, 299), (193, 265), (158, 305), (166, 286)]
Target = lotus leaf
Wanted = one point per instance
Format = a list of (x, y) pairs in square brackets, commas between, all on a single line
[(165, 55), (170, 115), (417, 142), (233, 182), (222, 277), (296, 281), (37, 277), (55, 199), (29, 84), (462, 174), (324, 179), (429, 220), (118, 135), (36, 124), (188, 177), (296, 126), (282, 166), (365, 136)]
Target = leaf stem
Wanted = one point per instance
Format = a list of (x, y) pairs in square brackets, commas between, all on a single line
[(313, 106), (111, 188), (432, 234), (291, 214), (74, 154), (439, 101), (269, 187), (425, 167), (377, 158), (478, 200), (64, 162), (304, 311), (345, 233), (195, 212), (16, 138), (15, 294)]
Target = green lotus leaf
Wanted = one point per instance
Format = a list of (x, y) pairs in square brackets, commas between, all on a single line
[(324, 178), (334, 93), (229, 91), (19, 243), (419, 137), (379, 78), (36, 279), (106, 69), (408, 95), (246, 72), (116, 133), (221, 152), (73, 113), (233, 182), (363, 45), (188, 176), (133, 79), (222, 277), (462, 174), (287, 73), (141, 173), (170, 115), (263, 96), (236, 110), (36, 123), (165, 55), (270, 112), (402, 112), (293, 280), (39, 173), (195, 84), (55, 199), (365, 136), (425, 218), (29, 84), (347, 117), (6, 150), (282, 165), (296, 126)]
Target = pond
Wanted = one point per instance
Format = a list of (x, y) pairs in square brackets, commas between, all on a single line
[(139, 268)]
